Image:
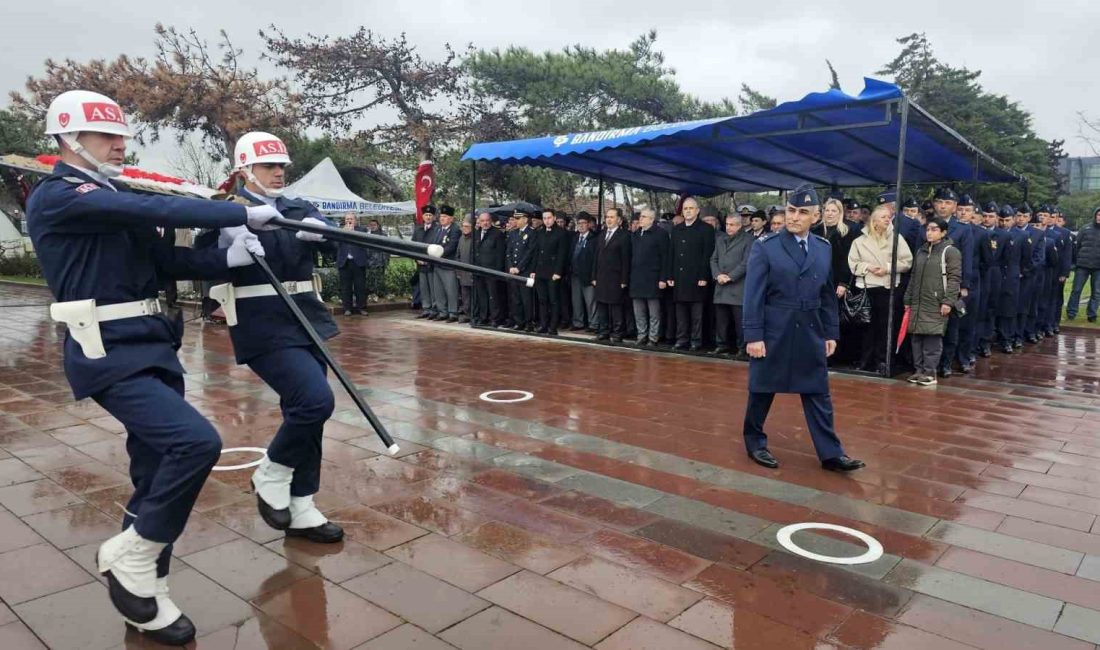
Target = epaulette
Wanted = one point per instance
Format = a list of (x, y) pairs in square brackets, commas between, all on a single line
[(823, 240), (766, 237), (75, 180), (233, 198)]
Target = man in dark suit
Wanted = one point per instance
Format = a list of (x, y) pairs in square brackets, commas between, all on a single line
[(351, 261), (425, 234), (611, 277), (582, 269), (791, 327), (519, 255), (551, 255), (648, 270), (692, 246), (488, 253)]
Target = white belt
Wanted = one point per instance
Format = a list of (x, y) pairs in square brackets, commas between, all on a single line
[(227, 295), (84, 316), (260, 290)]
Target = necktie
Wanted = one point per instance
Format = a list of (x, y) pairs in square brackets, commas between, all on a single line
[(608, 238), (802, 243), (482, 235)]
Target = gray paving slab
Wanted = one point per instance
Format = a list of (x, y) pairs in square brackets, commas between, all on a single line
[(1010, 548), (612, 489), (989, 597), (1079, 623), (1090, 568), (905, 522), (466, 447), (707, 516), (823, 545), (534, 467)]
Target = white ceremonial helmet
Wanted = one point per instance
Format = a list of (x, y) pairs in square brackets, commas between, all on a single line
[(259, 147), (76, 111)]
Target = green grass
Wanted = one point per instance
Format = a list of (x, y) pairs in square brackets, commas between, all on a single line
[(23, 279), (1080, 321)]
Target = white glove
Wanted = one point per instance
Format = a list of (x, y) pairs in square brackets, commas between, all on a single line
[(259, 215), (227, 235), (238, 252), (310, 236)]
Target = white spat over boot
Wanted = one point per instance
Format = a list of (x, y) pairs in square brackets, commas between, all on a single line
[(130, 563), (272, 483)]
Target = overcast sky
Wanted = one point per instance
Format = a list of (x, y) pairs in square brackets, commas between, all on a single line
[(1042, 55)]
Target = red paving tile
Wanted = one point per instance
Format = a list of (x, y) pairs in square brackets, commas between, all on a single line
[(327, 615), (1036, 580), (643, 554)]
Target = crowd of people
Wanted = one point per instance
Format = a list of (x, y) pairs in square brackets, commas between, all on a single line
[(973, 279)]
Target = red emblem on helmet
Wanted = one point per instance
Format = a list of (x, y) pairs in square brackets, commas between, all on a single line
[(244, 156), (103, 112), (63, 119), (267, 147)]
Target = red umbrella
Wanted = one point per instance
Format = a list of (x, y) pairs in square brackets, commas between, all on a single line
[(904, 328)]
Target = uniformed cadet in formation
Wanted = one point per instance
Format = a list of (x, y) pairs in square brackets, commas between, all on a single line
[(996, 240), (945, 204), (519, 259), (791, 327), (104, 260), (1013, 254), (269, 339)]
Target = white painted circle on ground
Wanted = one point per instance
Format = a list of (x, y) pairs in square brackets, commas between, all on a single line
[(523, 396), (874, 548), (229, 468)]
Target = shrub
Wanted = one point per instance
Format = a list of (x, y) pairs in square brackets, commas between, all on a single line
[(20, 264), (392, 283)]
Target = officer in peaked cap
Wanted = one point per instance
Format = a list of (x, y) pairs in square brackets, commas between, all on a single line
[(992, 276), (1065, 265), (425, 234), (1016, 254), (1032, 268), (945, 203), (967, 350), (791, 327)]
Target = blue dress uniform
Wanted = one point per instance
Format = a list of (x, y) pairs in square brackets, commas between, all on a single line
[(520, 254), (977, 301), (953, 340), (1024, 244), (997, 241), (269, 339), (791, 306), (96, 239), (1035, 290), (1012, 257)]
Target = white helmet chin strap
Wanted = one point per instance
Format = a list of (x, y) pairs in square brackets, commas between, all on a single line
[(251, 178), (110, 171)]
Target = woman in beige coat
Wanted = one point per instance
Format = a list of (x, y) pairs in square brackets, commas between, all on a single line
[(869, 259)]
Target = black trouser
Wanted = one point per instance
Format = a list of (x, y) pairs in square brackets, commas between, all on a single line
[(353, 287), (486, 301), (464, 306), (873, 345), (689, 323), (171, 293), (668, 316), (519, 300), (565, 300), (728, 332), (610, 319), (549, 293)]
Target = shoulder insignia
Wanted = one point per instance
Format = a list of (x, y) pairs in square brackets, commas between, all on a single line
[(233, 198), (75, 180), (766, 237), (823, 240), (87, 187)]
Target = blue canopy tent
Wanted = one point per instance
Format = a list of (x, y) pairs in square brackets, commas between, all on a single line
[(832, 139), (828, 139)]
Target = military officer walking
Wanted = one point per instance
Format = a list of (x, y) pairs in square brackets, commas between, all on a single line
[(104, 261), (791, 327)]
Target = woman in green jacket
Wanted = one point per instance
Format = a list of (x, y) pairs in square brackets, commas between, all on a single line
[(932, 293)]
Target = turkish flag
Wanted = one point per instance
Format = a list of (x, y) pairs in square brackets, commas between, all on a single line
[(425, 187)]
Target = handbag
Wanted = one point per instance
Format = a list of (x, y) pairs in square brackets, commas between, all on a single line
[(855, 307)]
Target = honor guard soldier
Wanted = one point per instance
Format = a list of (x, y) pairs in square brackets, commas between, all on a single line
[(269, 339), (104, 260), (791, 326), (996, 242), (1033, 258)]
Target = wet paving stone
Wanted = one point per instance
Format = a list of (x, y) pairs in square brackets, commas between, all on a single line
[(500, 629), (415, 596), (1011, 548), (640, 592)]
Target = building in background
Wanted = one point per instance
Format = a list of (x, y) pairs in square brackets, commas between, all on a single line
[(1082, 174)]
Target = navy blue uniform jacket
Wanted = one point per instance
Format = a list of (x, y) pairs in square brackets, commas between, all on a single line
[(791, 306), (359, 255), (265, 323), (94, 242)]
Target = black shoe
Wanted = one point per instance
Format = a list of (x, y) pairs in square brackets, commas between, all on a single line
[(602, 337), (966, 368), (741, 356), (1092, 319), (531, 329), (347, 312), (616, 339), (424, 315), (452, 319), (985, 353), (1018, 345), (764, 458), (695, 348), (518, 328), (680, 346), (721, 349), (553, 332), (1007, 349), (1057, 330), (181, 632), (277, 519), (465, 320), (326, 533), (135, 608), (842, 464), (543, 330), (946, 372), (643, 343)]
